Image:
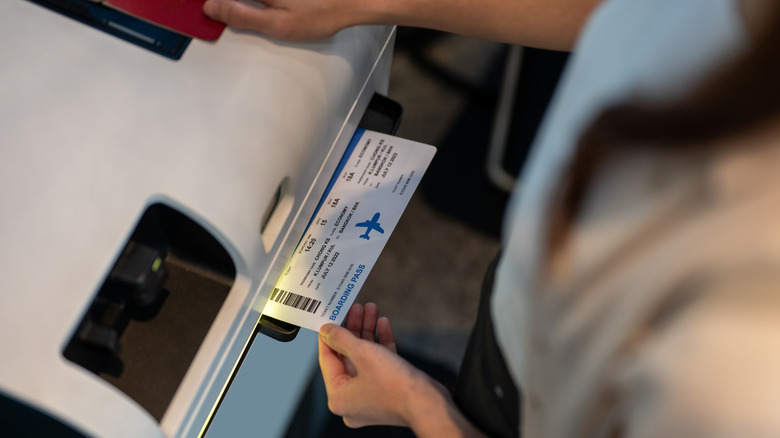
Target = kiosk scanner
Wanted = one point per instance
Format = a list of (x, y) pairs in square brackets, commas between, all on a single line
[(153, 187)]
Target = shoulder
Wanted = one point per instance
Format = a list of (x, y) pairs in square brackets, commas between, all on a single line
[(681, 307), (708, 364)]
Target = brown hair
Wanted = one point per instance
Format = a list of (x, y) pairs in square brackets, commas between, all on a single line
[(742, 95)]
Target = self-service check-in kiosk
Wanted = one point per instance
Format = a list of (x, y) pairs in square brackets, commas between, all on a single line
[(152, 188)]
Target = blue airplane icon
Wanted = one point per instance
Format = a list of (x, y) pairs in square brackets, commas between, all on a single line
[(373, 224)]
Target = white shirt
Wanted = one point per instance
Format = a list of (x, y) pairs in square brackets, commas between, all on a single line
[(566, 350)]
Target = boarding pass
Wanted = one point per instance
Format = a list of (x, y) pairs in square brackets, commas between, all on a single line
[(356, 215)]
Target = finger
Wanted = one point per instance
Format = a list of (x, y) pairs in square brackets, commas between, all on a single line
[(237, 14), (386, 335), (331, 366), (370, 314), (349, 367), (354, 319), (353, 423), (339, 339)]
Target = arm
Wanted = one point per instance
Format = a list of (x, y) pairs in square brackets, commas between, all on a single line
[(552, 24), (368, 383)]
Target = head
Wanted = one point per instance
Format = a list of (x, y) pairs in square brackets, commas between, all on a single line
[(742, 95)]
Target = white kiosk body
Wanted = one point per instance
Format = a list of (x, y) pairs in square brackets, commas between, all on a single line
[(207, 168)]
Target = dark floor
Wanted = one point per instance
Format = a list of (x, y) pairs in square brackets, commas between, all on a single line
[(427, 280)]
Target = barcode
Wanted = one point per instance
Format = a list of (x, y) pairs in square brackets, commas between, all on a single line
[(294, 300)]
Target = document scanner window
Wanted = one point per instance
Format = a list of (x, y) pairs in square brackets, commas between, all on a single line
[(136, 31), (153, 311)]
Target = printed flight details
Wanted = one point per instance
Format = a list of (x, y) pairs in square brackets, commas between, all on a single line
[(360, 208)]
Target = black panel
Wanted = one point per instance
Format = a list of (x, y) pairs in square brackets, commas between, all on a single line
[(18, 419), (383, 115), (121, 25)]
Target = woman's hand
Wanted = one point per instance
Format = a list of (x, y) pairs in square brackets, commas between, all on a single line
[(289, 20), (365, 323), (551, 24), (365, 379), (369, 384)]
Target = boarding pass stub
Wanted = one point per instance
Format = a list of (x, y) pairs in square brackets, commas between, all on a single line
[(356, 215)]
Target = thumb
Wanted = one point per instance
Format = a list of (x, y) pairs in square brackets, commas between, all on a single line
[(335, 347), (338, 338), (235, 13)]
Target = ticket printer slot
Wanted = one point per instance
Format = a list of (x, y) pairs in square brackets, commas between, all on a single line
[(383, 115)]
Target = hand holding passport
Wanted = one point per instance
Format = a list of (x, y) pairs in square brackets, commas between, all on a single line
[(182, 16)]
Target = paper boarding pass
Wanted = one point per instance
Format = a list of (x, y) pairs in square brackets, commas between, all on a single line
[(357, 213)]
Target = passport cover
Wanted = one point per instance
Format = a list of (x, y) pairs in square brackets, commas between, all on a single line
[(182, 16)]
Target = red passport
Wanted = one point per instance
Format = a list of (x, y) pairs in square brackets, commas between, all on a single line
[(181, 16)]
